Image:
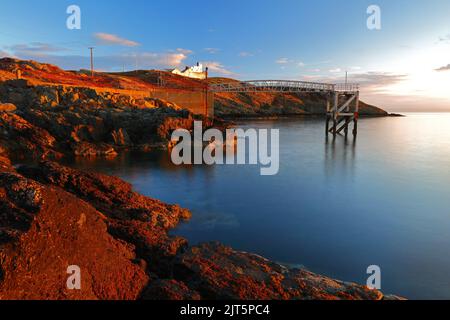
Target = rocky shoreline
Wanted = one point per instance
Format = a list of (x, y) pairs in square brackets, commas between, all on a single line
[(53, 216)]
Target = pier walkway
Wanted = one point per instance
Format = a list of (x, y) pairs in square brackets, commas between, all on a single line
[(342, 99)]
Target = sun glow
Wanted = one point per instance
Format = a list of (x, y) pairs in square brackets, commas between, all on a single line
[(422, 77)]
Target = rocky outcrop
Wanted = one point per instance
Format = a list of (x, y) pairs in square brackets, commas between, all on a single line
[(88, 128), (221, 272), (20, 138), (132, 217), (44, 230), (241, 105), (80, 121)]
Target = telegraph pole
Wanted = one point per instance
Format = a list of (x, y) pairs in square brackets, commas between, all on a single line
[(92, 61)]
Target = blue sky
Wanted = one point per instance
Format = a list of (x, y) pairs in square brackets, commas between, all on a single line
[(249, 39)]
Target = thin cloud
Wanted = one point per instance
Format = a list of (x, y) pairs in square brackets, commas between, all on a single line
[(184, 51), (444, 68), (369, 81), (282, 61), (217, 67), (34, 48), (245, 54), (445, 39), (112, 39), (336, 70), (144, 60), (377, 80), (4, 54), (285, 61), (212, 50)]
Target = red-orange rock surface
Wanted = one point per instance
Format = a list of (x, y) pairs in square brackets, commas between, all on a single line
[(44, 230), (221, 272)]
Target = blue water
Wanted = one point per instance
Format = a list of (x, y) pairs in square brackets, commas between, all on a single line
[(335, 207)]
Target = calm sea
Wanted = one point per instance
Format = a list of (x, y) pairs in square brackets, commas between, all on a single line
[(335, 207)]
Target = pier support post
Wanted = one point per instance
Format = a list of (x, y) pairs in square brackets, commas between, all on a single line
[(344, 110), (356, 116), (327, 127), (335, 112)]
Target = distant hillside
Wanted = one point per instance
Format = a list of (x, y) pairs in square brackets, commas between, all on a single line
[(276, 104), (226, 104)]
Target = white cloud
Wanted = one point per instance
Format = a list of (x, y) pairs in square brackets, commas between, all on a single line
[(156, 59), (336, 70), (112, 39), (301, 64), (217, 67)]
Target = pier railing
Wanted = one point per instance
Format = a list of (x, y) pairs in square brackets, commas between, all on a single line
[(281, 86)]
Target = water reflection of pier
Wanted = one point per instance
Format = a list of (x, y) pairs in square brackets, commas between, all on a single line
[(340, 156)]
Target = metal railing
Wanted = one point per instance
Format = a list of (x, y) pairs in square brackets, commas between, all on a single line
[(346, 87), (281, 86)]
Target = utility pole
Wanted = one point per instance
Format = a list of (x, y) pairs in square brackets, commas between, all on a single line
[(92, 61), (346, 79), (206, 92)]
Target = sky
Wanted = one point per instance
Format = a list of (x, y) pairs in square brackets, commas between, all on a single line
[(403, 66)]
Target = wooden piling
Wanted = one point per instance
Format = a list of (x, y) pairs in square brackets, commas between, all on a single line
[(343, 112)]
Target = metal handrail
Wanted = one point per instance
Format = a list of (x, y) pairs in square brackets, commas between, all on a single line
[(282, 86)]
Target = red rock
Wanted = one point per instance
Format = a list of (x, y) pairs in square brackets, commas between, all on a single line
[(136, 219), (219, 272), (49, 230), (86, 149), (22, 139)]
